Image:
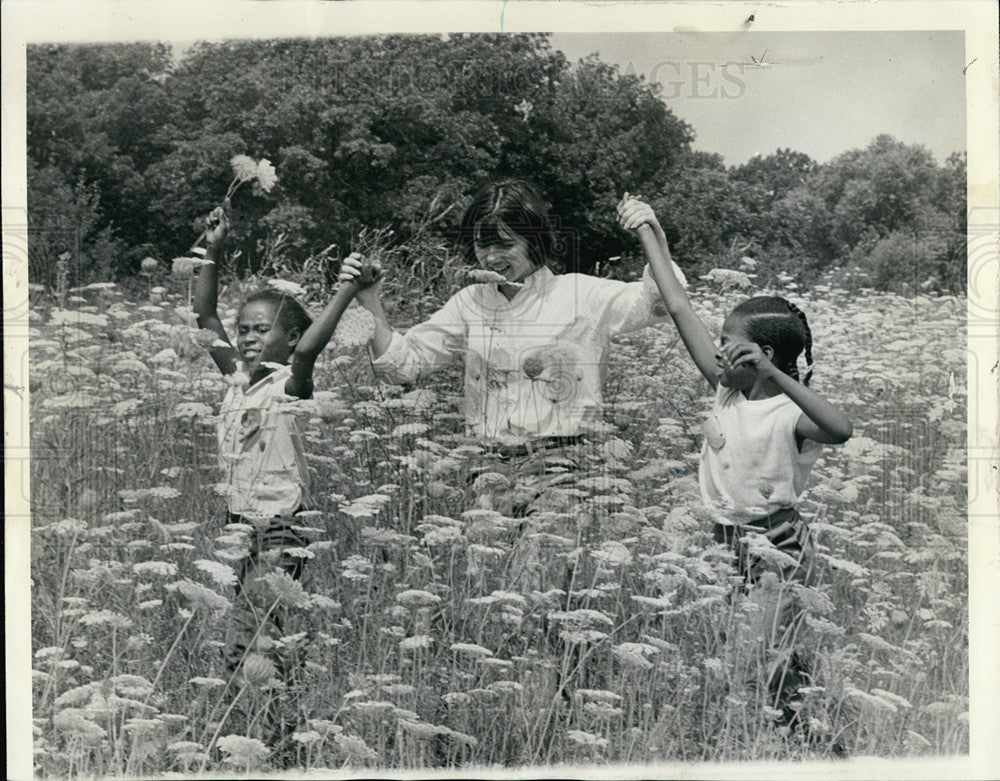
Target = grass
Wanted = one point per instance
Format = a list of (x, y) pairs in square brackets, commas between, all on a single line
[(434, 631)]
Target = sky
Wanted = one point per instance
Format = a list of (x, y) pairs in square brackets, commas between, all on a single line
[(820, 93)]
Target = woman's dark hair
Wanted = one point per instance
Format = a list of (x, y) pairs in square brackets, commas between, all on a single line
[(777, 322), (513, 205), (289, 313)]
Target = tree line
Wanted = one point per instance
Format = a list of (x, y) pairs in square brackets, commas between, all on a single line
[(129, 147)]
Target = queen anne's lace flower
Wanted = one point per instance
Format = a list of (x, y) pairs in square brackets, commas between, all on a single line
[(729, 279), (165, 569), (241, 750), (221, 573), (284, 286), (356, 327), (266, 175), (244, 168)]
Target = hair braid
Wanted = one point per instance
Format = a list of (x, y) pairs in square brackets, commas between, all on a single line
[(777, 322), (809, 340)]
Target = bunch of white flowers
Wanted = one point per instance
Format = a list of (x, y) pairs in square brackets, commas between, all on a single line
[(246, 169)]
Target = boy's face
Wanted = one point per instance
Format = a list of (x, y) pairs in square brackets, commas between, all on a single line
[(260, 337)]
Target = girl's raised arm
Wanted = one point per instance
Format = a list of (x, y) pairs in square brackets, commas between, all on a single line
[(318, 335), (206, 293), (635, 215)]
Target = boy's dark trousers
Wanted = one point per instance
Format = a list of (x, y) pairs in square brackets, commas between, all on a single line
[(255, 621)]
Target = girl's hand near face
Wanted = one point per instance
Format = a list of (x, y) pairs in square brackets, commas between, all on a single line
[(747, 355)]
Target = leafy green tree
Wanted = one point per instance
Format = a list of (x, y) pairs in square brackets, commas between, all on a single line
[(64, 217), (398, 131), (96, 113)]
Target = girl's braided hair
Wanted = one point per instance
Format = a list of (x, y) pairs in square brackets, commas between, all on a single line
[(289, 313), (776, 321)]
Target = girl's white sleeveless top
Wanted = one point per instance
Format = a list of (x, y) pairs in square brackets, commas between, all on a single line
[(758, 468), (260, 449)]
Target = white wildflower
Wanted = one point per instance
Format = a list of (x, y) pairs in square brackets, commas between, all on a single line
[(581, 617), (184, 267), (192, 409), (222, 574), (633, 655), (414, 643), (288, 590), (258, 670), (289, 288), (77, 722), (49, 650), (612, 554), (208, 683), (729, 279), (164, 569), (355, 748), (106, 617), (357, 568), (184, 747), (582, 636), (201, 597), (241, 750), (409, 429), (598, 695), (356, 327), (586, 739), (417, 598), (267, 177), (244, 168), (471, 649), (162, 492), (873, 701)]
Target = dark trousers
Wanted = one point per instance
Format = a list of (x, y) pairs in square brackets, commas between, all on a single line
[(255, 622), (757, 546)]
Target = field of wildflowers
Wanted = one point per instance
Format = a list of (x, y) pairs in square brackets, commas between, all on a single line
[(432, 630)]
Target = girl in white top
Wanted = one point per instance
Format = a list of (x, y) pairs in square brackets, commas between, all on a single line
[(761, 439)]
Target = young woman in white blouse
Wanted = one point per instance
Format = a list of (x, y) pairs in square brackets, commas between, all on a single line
[(535, 344)]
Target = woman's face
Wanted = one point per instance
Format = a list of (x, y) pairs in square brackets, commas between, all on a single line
[(508, 257)]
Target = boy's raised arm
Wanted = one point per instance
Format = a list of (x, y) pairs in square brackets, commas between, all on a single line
[(369, 297), (318, 335), (206, 293), (638, 216)]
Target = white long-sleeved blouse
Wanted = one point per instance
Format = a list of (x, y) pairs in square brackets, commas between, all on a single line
[(534, 365)]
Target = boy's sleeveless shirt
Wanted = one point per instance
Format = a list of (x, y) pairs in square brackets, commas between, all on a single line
[(758, 469), (260, 449)]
